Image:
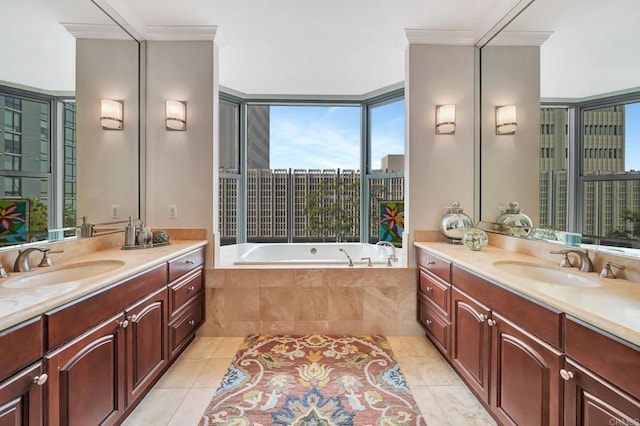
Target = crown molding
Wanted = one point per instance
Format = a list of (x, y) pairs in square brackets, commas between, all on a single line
[(181, 33), (96, 31), (463, 38), (520, 38)]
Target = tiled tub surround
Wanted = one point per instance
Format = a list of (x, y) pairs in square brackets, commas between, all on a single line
[(614, 307), (344, 300)]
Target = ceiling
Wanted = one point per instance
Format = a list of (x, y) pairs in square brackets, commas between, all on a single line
[(298, 47), (334, 47)]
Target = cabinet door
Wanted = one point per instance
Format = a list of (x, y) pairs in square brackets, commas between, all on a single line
[(87, 377), (470, 343), (525, 377), (591, 401), (21, 397), (147, 343)]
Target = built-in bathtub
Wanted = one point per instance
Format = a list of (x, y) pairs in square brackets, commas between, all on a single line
[(311, 254)]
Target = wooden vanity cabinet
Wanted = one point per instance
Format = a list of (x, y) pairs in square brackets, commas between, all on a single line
[(471, 342), (21, 391), (601, 378), (95, 376), (186, 299), (434, 299), (511, 369)]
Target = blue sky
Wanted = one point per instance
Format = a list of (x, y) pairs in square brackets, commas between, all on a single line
[(632, 137), (300, 136), (313, 137)]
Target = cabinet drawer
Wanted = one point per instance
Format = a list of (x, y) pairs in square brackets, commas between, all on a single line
[(437, 327), (434, 264), (185, 263), (183, 327), (71, 320), (25, 343), (184, 289), (436, 290), (614, 361)]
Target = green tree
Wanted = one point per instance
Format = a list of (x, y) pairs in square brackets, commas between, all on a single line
[(629, 216), (332, 209)]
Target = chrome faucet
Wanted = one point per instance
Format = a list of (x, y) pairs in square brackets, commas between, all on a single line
[(22, 261), (585, 263), (348, 257), (393, 249)]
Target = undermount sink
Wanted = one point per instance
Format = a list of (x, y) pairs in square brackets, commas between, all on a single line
[(63, 274), (547, 274)]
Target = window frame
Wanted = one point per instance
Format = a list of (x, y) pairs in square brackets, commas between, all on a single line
[(575, 158), (365, 104)]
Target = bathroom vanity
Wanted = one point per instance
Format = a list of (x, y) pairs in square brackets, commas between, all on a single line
[(88, 355), (533, 352)]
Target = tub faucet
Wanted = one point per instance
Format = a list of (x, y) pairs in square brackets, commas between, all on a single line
[(348, 257), (393, 249)]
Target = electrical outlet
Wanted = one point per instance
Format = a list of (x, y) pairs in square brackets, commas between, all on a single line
[(173, 211), (115, 211)]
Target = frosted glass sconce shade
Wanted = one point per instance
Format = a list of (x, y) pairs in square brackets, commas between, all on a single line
[(445, 119), (506, 120), (111, 114), (176, 115)]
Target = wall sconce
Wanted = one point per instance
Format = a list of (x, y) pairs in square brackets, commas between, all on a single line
[(445, 119), (111, 114), (176, 112), (506, 120)]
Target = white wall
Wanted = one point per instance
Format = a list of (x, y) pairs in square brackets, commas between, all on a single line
[(179, 165), (107, 172), (441, 167), (510, 163)]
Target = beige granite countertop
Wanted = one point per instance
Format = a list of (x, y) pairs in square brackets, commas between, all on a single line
[(18, 305), (614, 307)]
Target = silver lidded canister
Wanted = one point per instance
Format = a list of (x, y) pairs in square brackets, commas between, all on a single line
[(514, 222), (454, 223)]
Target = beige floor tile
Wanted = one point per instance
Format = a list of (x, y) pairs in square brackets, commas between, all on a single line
[(157, 407), (435, 371), (409, 370), (192, 408), (417, 346), (182, 374), (228, 347), (212, 373), (460, 406), (202, 347), (396, 346), (430, 409)]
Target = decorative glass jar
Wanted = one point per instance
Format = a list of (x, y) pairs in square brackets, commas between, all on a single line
[(474, 239), (514, 222), (454, 223)]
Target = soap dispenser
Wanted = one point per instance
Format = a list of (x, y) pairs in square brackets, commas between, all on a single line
[(130, 234), (86, 229)]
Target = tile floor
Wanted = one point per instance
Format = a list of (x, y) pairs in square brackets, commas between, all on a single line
[(182, 395)]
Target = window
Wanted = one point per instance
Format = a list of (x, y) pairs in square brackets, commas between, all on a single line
[(28, 127), (607, 191), (293, 171)]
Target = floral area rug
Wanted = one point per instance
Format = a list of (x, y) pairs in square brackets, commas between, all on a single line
[(314, 380)]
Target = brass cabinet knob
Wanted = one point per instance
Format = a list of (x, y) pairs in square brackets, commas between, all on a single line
[(191, 322), (491, 322), (124, 324), (133, 318), (429, 322), (429, 289), (565, 374), (189, 262), (191, 288), (40, 380)]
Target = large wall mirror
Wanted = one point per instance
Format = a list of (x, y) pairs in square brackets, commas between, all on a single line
[(61, 58), (573, 163)]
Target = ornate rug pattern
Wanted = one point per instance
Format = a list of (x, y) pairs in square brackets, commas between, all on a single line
[(315, 380)]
